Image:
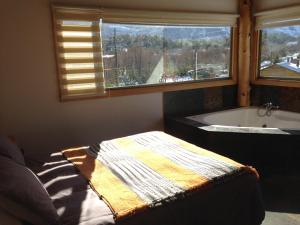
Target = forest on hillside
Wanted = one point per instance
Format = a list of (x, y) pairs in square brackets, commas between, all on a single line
[(278, 43), (146, 55)]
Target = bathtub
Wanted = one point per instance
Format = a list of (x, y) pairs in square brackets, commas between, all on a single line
[(270, 143), (250, 120)]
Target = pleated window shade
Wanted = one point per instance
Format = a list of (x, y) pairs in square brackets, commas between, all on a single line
[(79, 52), (278, 17)]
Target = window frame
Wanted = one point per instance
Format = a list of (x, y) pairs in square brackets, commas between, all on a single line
[(184, 85), (177, 86), (164, 87), (260, 19)]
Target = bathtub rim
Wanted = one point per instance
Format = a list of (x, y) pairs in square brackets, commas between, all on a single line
[(234, 129)]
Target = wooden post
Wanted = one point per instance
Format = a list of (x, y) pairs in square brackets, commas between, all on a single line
[(245, 24)]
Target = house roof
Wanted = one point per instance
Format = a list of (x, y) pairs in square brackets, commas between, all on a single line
[(289, 66)]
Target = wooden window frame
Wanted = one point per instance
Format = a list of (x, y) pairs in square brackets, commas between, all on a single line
[(186, 85), (255, 78), (176, 86)]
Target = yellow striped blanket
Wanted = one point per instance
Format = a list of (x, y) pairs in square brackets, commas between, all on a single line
[(141, 171)]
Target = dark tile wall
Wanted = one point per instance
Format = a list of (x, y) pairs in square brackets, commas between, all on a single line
[(287, 98), (189, 102)]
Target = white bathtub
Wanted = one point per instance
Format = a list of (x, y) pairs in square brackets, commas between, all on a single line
[(269, 143), (249, 119)]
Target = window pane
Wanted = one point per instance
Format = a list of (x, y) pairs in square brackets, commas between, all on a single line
[(279, 54), (152, 54)]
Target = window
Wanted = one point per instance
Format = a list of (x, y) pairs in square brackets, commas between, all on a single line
[(100, 52), (277, 47), (280, 52), (154, 54)]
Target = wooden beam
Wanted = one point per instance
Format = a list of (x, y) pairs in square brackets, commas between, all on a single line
[(245, 28)]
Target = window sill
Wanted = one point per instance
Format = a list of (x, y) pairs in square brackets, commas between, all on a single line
[(125, 91), (114, 92), (276, 82)]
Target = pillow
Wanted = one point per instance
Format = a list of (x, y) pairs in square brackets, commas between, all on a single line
[(23, 196), (11, 150)]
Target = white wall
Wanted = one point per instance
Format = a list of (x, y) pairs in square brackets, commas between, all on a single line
[(261, 5), (29, 105), (224, 6)]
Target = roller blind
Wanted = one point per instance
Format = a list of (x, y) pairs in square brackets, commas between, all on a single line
[(166, 17), (277, 18), (79, 52)]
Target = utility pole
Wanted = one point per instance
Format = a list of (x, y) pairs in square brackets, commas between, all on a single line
[(116, 58), (165, 56), (196, 64)]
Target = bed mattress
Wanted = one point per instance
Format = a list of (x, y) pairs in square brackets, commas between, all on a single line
[(236, 201)]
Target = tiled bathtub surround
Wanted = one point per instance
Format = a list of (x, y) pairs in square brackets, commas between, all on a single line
[(198, 101), (245, 146), (204, 100), (285, 97)]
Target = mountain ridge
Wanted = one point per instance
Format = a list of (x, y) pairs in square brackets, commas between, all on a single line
[(171, 32)]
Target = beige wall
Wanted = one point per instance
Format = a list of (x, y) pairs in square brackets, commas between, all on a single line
[(29, 105)]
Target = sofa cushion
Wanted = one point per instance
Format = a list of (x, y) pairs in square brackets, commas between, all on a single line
[(11, 150), (23, 195)]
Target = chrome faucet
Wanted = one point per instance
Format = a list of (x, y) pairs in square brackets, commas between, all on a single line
[(269, 106)]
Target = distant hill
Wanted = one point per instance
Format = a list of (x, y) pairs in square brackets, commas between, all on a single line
[(182, 32), (293, 31), (172, 32)]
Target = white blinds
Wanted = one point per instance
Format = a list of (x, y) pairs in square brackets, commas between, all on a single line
[(278, 18), (79, 52), (178, 18)]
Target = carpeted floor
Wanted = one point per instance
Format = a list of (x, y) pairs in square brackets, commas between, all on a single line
[(282, 199)]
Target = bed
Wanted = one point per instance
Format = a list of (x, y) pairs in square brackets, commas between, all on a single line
[(232, 199)]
